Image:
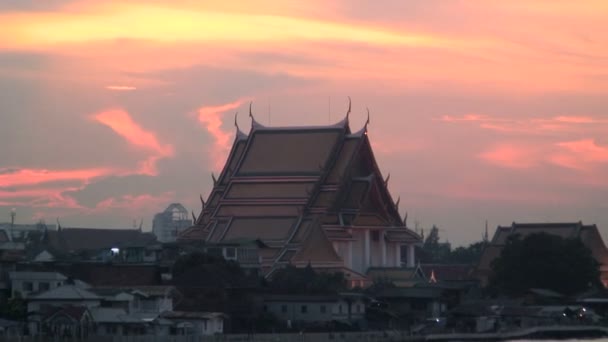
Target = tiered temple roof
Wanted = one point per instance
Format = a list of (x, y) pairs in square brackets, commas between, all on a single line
[(298, 189)]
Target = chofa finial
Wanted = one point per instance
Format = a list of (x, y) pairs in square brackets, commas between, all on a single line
[(202, 201), (397, 203), (250, 113), (236, 123), (214, 179), (193, 218), (387, 178), (367, 122), (349, 107)]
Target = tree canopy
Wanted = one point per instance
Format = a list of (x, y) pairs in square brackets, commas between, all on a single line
[(544, 261), (203, 270), (305, 280), (435, 252)]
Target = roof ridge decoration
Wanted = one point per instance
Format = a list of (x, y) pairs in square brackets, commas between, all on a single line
[(348, 111), (240, 135), (254, 123), (362, 131), (214, 179)]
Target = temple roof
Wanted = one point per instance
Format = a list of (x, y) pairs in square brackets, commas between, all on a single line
[(297, 189)]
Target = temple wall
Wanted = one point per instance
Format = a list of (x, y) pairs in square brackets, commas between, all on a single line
[(390, 254), (358, 263), (376, 250)]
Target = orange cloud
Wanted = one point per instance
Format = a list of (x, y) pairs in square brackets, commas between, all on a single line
[(120, 88), (212, 118), (122, 123)]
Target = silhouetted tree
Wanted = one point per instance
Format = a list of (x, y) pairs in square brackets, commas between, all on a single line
[(466, 255), (544, 261), (305, 280), (434, 251)]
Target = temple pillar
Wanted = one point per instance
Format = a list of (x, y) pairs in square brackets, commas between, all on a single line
[(350, 254), (366, 252), (397, 255), (411, 251), (383, 246)]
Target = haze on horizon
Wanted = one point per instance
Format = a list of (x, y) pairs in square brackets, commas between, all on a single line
[(480, 110)]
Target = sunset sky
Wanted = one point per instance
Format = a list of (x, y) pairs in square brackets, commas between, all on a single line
[(480, 109)]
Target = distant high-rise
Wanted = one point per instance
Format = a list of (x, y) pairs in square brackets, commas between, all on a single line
[(168, 224)]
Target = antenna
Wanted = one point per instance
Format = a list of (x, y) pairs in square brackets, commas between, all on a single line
[(329, 109), (13, 215)]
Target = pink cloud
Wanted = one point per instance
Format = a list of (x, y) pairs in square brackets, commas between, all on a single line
[(531, 126), (134, 204), (211, 117), (40, 176), (578, 119), (580, 154), (511, 155), (122, 124), (120, 88)]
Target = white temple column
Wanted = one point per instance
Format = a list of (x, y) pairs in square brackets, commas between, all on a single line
[(397, 255), (411, 251), (383, 245), (367, 255)]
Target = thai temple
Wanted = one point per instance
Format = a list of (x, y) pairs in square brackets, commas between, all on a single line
[(307, 195)]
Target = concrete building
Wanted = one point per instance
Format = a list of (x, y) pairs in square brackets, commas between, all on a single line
[(170, 223)]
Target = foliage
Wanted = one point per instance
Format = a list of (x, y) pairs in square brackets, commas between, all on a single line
[(15, 308), (467, 255), (435, 252), (544, 261), (199, 269), (379, 285), (305, 280)]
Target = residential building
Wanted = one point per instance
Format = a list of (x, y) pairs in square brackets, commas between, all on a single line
[(26, 283), (100, 244), (195, 323), (311, 195), (344, 307)]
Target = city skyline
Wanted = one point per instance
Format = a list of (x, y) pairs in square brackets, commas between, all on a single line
[(479, 110)]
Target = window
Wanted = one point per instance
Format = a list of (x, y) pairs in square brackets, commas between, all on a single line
[(323, 309), (230, 253), (28, 286), (44, 286), (284, 308), (375, 235), (304, 309)]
